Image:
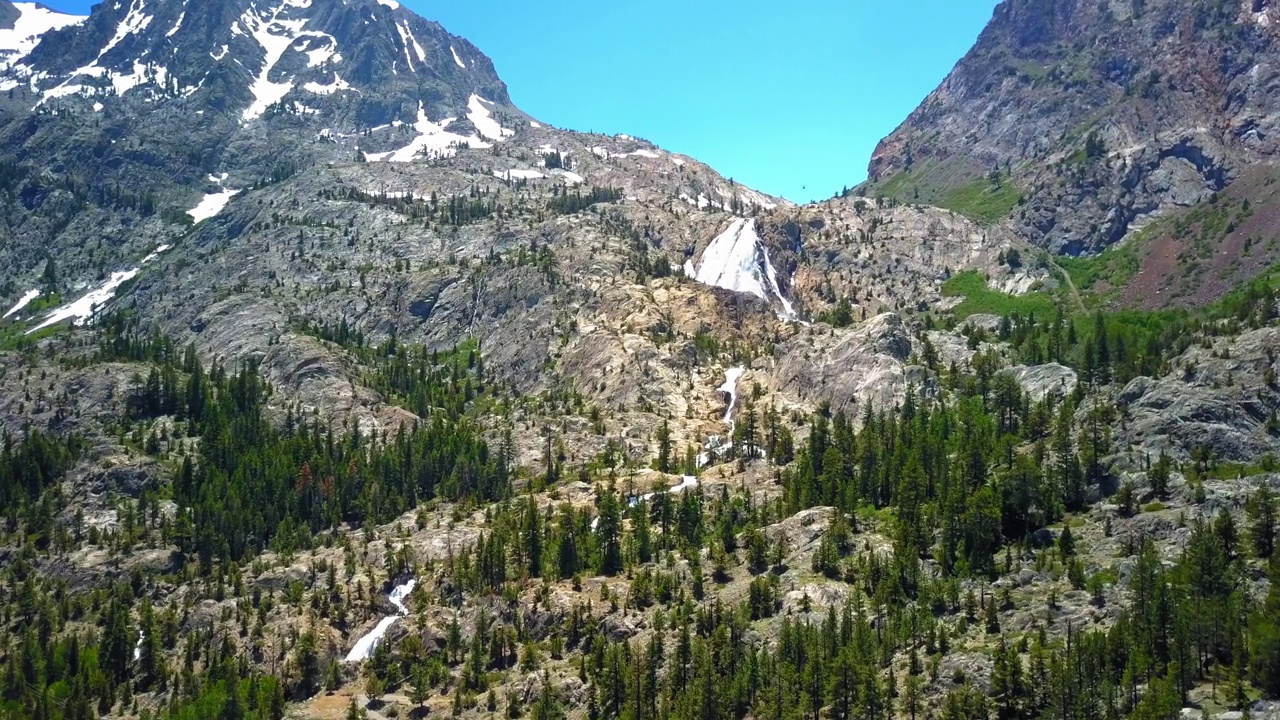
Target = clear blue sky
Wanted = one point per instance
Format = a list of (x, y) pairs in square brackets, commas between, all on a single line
[(787, 97)]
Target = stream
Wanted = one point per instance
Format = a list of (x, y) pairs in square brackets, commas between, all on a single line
[(364, 647)]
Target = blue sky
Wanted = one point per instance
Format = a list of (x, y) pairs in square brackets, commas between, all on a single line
[(787, 97)]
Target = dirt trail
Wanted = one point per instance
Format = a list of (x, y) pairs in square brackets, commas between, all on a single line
[(1071, 285)]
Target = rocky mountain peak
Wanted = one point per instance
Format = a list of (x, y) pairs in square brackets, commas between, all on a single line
[(1082, 121), (351, 63)]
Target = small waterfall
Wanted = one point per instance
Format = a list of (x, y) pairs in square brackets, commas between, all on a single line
[(365, 646)]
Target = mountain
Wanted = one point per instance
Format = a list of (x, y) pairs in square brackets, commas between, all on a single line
[(334, 385), (145, 106), (1079, 122), (128, 129)]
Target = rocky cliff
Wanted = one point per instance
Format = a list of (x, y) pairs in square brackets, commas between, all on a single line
[(1078, 122)]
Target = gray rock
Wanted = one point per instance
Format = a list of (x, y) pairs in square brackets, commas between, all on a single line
[(1043, 537), (1044, 79), (128, 479), (1041, 381)]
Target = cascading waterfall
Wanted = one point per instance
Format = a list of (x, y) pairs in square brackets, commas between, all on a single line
[(365, 646)]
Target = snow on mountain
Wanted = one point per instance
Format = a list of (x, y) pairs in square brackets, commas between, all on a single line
[(410, 43), (433, 138), (736, 260), (135, 21), (211, 205), (483, 121), (252, 56), (23, 301), (32, 23), (276, 35), (88, 305)]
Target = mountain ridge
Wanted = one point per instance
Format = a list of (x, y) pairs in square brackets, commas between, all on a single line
[(1104, 116), (566, 424)]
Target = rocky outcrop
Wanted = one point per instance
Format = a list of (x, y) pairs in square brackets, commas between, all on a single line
[(851, 369), (1041, 381), (1222, 398)]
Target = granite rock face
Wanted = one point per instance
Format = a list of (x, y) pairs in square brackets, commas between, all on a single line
[(1102, 115)]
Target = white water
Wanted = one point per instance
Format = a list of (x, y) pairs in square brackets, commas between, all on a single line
[(729, 262), (736, 260), (687, 482), (365, 646), (788, 313), (714, 448), (730, 386)]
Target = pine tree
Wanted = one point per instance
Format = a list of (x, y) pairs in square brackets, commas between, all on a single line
[(1159, 475), (663, 462), (1262, 515), (1006, 682), (49, 278), (1264, 642), (609, 531)]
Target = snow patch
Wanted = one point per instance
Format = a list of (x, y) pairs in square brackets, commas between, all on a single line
[(457, 59), (156, 253), (83, 309), (406, 38), (321, 52), (572, 178), (337, 84), (123, 83), (211, 205), (365, 646), (390, 3), (23, 301), (32, 23), (483, 121), (431, 137), (517, 174)]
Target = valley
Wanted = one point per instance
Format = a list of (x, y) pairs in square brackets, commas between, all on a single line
[(334, 385)]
